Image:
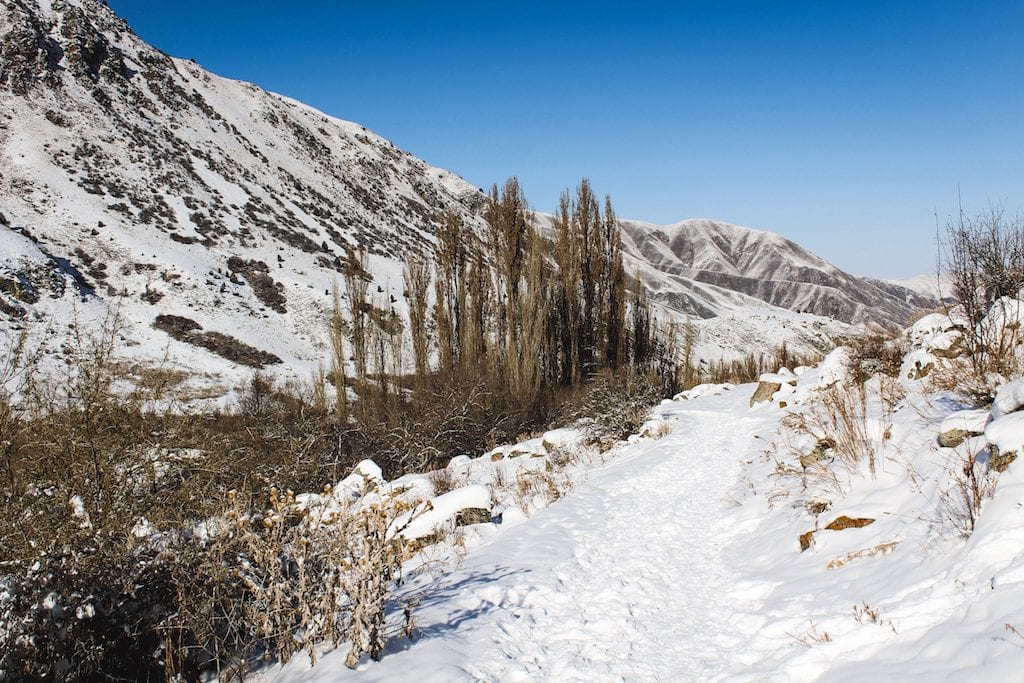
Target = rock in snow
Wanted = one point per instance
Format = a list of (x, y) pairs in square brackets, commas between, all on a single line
[(962, 424)]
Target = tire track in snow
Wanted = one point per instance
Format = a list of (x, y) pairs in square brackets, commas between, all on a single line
[(644, 592)]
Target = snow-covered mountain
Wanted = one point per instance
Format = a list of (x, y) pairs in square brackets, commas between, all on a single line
[(708, 268), (216, 216), (930, 286)]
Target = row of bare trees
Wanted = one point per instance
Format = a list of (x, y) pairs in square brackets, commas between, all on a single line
[(508, 319)]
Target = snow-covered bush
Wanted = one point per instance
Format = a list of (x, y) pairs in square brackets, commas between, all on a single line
[(872, 354), (838, 421), (971, 483), (610, 410), (984, 261)]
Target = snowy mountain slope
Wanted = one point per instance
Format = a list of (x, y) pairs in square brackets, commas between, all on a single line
[(930, 286), (148, 174), (706, 263), (149, 186)]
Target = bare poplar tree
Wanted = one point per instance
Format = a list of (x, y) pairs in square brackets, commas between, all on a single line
[(357, 284), (417, 277), (338, 360)]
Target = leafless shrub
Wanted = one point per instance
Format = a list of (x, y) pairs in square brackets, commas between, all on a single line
[(983, 257), (547, 487), (442, 480), (610, 409), (838, 415), (501, 480), (811, 636), (864, 613), (958, 377), (875, 353), (971, 485), (125, 554)]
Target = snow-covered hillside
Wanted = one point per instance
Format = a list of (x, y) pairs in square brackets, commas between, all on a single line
[(134, 181), (931, 286), (706, 267)]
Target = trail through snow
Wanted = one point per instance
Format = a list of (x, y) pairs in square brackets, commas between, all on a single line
[(644, 592), (623, 579)]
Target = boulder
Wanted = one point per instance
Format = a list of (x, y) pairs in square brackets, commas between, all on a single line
[(806, 540), (918, 364), (1005, 435), (843, 522), (1000, 461), (954, 437), (929, 326), (947, 345), (466, 503), (962, 425), (820, 452), (771, 383), (764, 392), (470, 516)]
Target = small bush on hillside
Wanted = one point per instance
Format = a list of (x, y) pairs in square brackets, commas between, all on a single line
[(610, 410), (875, 353), (837, 416), (971, 484), (983, 257)]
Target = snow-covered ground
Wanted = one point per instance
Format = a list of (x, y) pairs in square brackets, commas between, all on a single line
[(624, 578), (679, 558)]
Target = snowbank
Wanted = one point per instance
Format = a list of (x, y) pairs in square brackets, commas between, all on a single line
[(425, 519), (1006, 433), (1009, 399)]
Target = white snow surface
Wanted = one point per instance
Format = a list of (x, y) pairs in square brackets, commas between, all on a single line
[(1009, 399), (426, 518), (972, 421), (677, 560)]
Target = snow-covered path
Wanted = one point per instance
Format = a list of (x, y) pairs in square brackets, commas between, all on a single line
[(679, 559), (622, 579), (642, 591)]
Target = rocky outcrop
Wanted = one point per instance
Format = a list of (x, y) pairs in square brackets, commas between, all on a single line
[(764, 392), (843, 522), (999, 461), (28, 53)]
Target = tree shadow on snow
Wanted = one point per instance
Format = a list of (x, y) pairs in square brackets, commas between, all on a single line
[(445, 623)]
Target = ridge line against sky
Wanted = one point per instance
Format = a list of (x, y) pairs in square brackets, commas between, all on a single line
[(845, 127)]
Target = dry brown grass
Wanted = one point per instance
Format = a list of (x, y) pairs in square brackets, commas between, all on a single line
[(839, 414), (970, 486), (880, 550)]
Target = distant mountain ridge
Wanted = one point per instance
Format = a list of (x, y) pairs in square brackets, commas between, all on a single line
[(699, 258), (134, 181)]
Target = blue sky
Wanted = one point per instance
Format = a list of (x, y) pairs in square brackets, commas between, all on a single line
[(843, 125)]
